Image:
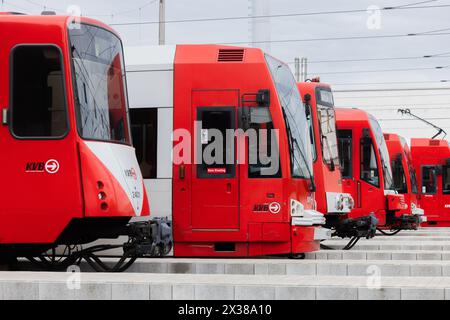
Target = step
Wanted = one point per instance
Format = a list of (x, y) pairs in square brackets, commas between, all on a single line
[(376, 244), (134, 286), (403, 238), (403, 268), (355, 254)]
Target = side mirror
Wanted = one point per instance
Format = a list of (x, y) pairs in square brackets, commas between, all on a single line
[(332, 166), (366, 133), (263, 98), (312, 187), (366, 141)]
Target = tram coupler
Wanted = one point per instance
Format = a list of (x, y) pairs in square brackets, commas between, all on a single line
[(406, 222), (362, 227), (150, 238)]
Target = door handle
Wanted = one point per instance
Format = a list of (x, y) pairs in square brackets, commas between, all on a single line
[(5, 117), (182, 172), (228, 187)]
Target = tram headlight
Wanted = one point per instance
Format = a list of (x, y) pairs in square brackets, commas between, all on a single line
[(297, 209)]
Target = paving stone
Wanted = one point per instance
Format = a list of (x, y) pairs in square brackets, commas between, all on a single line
[(301, 269), (403, 256), (182, 268), (210, 268), (130, 291), (379, 294), (427, 270), (336, 293), (332, 269), (295, 293), (183, 292), (277, 269), (422, 294), (239, 268), (244, 292), (374, 255), (160, 291), (86, 291), (214, 292), (19, 290), (351, 255)]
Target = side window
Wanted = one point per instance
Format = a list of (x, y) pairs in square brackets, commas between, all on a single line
[(414, 187), (144, 129), (345, 152), (263, 151), (369, 164), (429, 180), (446, 180), (398, 172), (327, 123), (38, 104), (309, 118)]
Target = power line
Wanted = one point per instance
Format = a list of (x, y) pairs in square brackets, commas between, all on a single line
[(389, 82), (393, 96), (286, 15), (421, 34), (400, 119), (45, 7), (24, 10), (393, 89), (397, 105), (379, 71), (376, 59), (395, 108)]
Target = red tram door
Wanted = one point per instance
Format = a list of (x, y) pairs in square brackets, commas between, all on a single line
[(215, 175), (42, 164)]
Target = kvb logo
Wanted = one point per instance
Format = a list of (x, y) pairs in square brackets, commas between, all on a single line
[(274, 207), (52, 166), (131, 173)]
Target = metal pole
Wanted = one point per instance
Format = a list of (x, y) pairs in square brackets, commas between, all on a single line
[(304, 69), (162, 22), (297, 69)]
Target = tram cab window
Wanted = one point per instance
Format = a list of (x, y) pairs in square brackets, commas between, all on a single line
[(309, 118), (263, 148), (399, 175), (369, 164), (345, 152), (446, 179), (429, 185)]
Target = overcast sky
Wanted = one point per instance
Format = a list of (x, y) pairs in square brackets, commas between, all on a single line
[(394, 22)]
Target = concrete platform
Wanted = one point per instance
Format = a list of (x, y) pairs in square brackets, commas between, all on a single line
[(379, 255), (30, 285), (398, 268), (391, 244), (404, 238)]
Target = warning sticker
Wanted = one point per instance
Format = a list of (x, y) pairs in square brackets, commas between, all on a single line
[(217, 171)]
